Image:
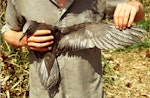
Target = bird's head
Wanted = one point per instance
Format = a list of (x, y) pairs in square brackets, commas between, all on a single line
[(31, 26)]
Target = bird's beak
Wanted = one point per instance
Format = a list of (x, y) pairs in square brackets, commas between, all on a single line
[(22, 36), (26, 29)]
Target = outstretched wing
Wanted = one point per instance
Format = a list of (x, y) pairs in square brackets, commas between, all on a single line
[(102, 36)]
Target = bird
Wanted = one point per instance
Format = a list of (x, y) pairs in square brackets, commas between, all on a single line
[(77, 37)]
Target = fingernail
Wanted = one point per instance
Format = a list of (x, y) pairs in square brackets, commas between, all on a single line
[(117, 26), (49, 32), (129, 25), (120, 28), (52, 37), (124, 27)]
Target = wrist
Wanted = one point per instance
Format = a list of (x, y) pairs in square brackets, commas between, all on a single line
[(12, 38)]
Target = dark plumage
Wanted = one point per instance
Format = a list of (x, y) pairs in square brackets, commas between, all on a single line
[(81, 36)]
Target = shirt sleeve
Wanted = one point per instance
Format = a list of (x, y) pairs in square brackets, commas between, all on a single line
[(110, 7), (14, 20)]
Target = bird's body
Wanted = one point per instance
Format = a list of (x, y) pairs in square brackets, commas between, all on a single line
[(81, 36)]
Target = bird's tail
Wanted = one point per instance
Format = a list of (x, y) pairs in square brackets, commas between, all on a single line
[(48, 71)]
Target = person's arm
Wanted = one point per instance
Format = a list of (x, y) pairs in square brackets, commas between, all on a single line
[(12, 38), (14, 23), (12, 31), (39, 41), (128, 12)]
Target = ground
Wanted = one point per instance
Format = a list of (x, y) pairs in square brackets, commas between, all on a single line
[(127, 73)]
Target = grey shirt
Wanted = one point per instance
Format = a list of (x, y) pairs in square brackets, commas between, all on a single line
[(80, 71)]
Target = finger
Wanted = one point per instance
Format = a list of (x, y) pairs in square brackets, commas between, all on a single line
[(116, 15), (39, 45), (39, 49), (119, 15), (126, 17), (40, 39), (121, 18), (132, 17), (42, 32)]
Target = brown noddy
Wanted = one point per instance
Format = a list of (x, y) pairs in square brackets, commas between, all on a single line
[(81, 36)]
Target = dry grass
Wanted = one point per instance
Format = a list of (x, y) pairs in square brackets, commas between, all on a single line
[(130, 74), (14, 74)]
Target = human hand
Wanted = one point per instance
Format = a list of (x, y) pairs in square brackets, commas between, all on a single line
[(39, 41), (125, 14)]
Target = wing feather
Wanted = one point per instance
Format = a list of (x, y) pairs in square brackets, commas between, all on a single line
[(101, 35)]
